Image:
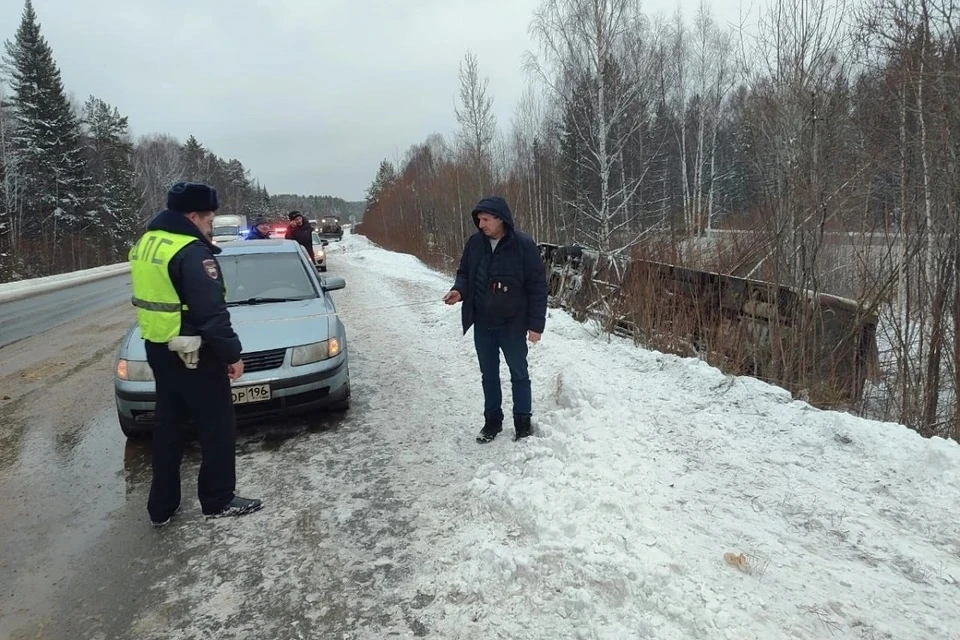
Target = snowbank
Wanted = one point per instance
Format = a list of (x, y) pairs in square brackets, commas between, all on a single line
[(10, 291), (626, 516)]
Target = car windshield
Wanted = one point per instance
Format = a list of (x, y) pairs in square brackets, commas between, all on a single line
[(316, 238), (229, 230), (265, 277)]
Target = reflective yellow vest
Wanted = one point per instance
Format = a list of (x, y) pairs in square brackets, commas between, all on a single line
[(158, 305)]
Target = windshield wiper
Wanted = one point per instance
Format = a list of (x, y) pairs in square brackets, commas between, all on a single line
[(252, 301)]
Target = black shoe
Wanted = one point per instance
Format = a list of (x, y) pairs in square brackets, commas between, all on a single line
[(522, 425), (491, 428), (162, 523), (237, 507)]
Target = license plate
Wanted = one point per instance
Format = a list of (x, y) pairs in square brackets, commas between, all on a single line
[(253, 393)]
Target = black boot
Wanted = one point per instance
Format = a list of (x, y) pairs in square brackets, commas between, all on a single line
[(522, 425), (237, 507), (491, 428)]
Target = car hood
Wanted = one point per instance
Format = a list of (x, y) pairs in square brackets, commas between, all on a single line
[(264, 327)]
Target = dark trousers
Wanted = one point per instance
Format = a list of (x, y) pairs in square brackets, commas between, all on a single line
[(203, 395), (512, 340)]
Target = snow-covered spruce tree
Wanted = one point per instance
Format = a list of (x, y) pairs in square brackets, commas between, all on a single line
[(115, 201), (46, 137)]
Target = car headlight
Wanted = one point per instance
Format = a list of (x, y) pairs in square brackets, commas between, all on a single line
[(134, 370), (308, 353)]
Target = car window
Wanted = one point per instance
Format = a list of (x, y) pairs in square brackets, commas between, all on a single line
[(265, 275), (230, 230), (316, 238)]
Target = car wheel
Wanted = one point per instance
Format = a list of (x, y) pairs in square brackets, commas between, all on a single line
[(343, 404), (131, 430)]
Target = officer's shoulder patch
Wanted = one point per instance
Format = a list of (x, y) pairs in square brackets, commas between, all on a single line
[(210, 266)]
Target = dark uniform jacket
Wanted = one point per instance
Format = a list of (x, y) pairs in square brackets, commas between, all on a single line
[(198, 281)]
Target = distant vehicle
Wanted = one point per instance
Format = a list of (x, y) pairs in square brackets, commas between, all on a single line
[(227, 228), (320, 251), (295, 346), (330, 228)]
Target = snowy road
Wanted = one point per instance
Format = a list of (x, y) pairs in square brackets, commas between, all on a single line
[(21, 319), (612, 523)]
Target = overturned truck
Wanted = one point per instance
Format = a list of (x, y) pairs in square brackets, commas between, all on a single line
[(819, 346)]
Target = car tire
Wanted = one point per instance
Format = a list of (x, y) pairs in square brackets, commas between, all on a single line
[(343, 404), (131, 430)]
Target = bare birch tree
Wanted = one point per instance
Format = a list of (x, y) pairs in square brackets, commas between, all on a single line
[(9, 192), (478, 124), (796, 60), (595, 61), (158, 163)]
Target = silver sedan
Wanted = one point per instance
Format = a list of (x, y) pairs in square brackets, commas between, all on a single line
[(294, 342)]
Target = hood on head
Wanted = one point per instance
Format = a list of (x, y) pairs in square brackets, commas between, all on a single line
[(494, 205)]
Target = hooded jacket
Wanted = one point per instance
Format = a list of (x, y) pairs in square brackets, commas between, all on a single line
[(198, 280), (515, 277)]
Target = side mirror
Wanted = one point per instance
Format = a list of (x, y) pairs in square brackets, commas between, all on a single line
[(324, 243), (332, 283)]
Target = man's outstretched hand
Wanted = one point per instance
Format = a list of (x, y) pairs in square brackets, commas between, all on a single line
[(453, 297)]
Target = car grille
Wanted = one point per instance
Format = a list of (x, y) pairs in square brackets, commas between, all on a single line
[(263, 360)]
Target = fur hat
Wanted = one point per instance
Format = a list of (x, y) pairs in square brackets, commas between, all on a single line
[(294, 215), (189, 197)]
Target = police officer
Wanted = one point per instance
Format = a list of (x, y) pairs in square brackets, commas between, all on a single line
[(192, 349), (260, 230)]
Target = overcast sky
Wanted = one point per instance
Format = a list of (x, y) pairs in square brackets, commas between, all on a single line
[(309, 94)]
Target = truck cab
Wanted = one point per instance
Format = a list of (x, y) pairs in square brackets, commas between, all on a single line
[(227, 228), (329, 228)]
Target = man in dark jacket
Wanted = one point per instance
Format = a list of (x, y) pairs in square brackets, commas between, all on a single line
[(194, 353), (301, 231), (260, 230), (503, 286)]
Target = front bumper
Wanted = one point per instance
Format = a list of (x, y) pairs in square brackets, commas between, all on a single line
[(293, 390)]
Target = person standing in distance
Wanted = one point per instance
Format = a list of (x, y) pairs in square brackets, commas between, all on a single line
[(502, 283), (301, 231), (194, 353)]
